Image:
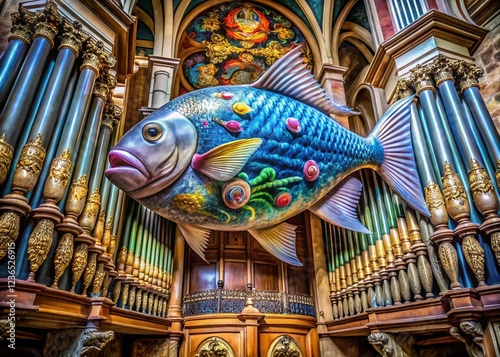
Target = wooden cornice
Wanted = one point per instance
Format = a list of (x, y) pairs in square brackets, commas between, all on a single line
[(432, 24), (40, 307), (432, 315), (125, 28)]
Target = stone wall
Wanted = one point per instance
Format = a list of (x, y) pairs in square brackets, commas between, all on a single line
[(488, 57)]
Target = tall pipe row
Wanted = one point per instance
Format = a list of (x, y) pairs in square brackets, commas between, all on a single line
[(57, 125)]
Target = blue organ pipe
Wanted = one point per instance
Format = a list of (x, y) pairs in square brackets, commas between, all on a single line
[(483, 120), (21, 96), (10, 63)]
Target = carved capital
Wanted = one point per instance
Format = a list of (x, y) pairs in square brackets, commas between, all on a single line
[(6, 153), (456, 200), (92, 55), (403, 90), (101, 89), (95, 340), (22, 25), (471, 334), (108, 117), (468, 75), (72, 36), (443, 69), (420, 79), (47, 22)]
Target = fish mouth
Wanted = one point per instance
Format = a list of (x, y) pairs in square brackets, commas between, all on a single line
[(131, 175)]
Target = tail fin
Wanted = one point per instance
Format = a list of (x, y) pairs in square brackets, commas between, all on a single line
[(398, 168)]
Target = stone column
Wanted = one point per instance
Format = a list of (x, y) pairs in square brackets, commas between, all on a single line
[(163, 71), (19, 102)]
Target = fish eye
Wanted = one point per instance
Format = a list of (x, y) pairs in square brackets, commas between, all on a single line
[(152, 132)]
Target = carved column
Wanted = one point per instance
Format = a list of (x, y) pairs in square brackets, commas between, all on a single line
[(15, 205), (458, 207)]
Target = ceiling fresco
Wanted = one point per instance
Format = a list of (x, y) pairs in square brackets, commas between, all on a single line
[(234, 43)]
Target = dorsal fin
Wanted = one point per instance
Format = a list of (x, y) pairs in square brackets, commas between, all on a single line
[(289, 76)]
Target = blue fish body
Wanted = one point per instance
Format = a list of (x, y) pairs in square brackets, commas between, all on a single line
[(249, 157), (337, 152)]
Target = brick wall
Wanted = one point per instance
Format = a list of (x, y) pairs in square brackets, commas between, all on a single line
[(488, 57)]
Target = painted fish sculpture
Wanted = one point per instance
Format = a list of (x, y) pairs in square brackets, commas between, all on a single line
[(235, 158)]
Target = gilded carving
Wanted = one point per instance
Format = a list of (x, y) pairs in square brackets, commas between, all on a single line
[(155, 305), (112, 245), (150, 303), (474, 255), (89, 272), (125, 290), (404, 284), (92, 55), (59, 174), (117, 290), (482, 189), (495, 244), (63, 255), (95, 340), (145, 299), (106, 237), (214, 347), (449, 260), (6, 153), (435, 202), (164, 308), (420, 79), (105, 283), (39, 244), (138, 300), (403, 90), (76, 196), (29, 166), (122, 258), (454, 194), (98, 279), (99, 228), (72, 36), (468, 75), (101, 89), (22, 23), (9, 230), (425, 273), (79, 264), (443, 69), (89, 216), (131, 297), (381, 342), (108, 117), (47, 22)]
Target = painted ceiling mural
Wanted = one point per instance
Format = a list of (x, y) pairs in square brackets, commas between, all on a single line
[(234, 43)]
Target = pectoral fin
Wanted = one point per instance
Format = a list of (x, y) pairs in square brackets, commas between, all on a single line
[(225, 161), (278, 240), (338, 207), (196, 237)]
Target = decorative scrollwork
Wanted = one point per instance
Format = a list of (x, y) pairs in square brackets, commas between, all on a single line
[(95, 340), (284, 346), (6, 153), (214, 347)]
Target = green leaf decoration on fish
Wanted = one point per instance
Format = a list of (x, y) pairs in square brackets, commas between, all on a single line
[(271, 153)]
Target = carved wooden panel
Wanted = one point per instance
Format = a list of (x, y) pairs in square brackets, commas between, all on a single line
[(284, 346), (214, 347)]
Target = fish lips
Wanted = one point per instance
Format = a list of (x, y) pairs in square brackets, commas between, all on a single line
[(127, 171), (130, 174)]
